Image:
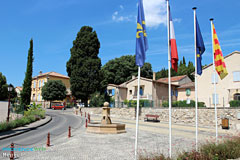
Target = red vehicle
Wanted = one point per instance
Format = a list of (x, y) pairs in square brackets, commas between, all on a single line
[(58, 106)]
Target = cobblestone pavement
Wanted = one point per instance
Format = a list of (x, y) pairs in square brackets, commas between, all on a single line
[(89, 146)]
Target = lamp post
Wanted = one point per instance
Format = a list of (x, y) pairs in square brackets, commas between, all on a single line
[(9, 90)]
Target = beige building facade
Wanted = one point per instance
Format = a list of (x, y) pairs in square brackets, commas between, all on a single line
[(227, 89), (150, 89), (39, 81)]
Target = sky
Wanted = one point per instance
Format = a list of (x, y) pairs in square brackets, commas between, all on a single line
[(54, 24)]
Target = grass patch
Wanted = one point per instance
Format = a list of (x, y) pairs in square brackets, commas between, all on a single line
[(33, 114), (227, 149)]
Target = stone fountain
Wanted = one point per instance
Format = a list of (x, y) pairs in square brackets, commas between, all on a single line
[(106, 126)]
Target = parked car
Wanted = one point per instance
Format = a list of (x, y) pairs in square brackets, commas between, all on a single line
[(58, 106)]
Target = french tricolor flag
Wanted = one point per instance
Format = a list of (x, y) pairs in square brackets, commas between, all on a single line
[(173, 44)]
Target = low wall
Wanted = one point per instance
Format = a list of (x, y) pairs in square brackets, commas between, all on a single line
[(3, 110), (206, 116)]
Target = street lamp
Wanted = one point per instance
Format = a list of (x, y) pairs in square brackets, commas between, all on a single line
[(9, 90)]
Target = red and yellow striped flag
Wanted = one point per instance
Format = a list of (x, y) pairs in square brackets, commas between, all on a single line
[(218, 56)]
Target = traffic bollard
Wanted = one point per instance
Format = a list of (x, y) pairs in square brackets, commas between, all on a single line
[(88, 118), (12, 152), (86, 123), (69, 132), (48, 139), (85, 114), (81, 113)]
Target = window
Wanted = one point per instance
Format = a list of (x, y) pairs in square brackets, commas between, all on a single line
[(34, 84), (33, 97), (237, 96), (236, 76), (213, 97), (43, 83), (39, 97), (111, 92), (39, 84), (216, 75), (188, 92), (130, 92)]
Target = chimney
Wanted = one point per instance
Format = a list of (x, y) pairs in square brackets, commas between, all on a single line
[(154, 76), (40, 73), (133, 77)]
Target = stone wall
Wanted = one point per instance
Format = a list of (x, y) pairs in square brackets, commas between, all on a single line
[(3, 110), (206, 116)]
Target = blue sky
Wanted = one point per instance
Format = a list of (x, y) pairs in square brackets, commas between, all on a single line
[(53, 25)]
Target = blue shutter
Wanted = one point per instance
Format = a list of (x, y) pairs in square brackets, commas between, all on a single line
[(141, 91), (176, 93), (113, 92)]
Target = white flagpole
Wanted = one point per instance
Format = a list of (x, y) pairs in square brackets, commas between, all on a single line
[(137, 118), (196, 88), (169, 85), (214, 72)]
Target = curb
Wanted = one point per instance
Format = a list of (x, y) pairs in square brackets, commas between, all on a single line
[(15, 132)]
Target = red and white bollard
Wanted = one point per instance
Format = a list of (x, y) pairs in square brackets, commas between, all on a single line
[(48, 139), (12, 152), (88, 118), (69, 132), (86, 123)]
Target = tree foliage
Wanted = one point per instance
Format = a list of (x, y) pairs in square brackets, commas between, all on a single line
[(122, 69), (54, 90), (3, 87), (183, 69), (26, 92), (84, 64)]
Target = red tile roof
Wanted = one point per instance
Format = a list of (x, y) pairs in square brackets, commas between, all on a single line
[(188, 85), (54, 74), (173, 79)]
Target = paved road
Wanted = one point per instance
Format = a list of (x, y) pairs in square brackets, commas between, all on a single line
[(58, 127)]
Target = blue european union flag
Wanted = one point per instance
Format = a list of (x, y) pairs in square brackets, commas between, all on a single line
[(141, 36), (200, 48)]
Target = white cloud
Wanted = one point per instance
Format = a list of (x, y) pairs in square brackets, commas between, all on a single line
[(155, 12), (178, 20), (119, 18), (121, 7)]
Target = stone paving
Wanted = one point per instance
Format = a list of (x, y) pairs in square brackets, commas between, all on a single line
[(153, 138)]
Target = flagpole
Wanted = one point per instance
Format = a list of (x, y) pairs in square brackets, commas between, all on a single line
[(215, 94), (196, 88), (169, 85), (137, 117)]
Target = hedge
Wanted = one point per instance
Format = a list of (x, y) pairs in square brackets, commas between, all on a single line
[(183, 104)]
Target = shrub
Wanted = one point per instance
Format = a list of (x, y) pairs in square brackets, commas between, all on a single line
[(234, 103), (34, 112), (97, 100), (183, 104)]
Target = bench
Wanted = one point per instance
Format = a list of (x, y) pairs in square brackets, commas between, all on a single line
[(151, 117)]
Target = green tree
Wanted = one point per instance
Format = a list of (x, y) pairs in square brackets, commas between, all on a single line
[(54, 90), (191, 69), (26, 92), (120, 70), (84, 64), (3, 87)]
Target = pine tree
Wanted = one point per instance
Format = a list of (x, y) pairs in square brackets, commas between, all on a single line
[(26, 92), (84, 64)]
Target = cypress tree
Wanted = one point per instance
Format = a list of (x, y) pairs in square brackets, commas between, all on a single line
[(26, 92), (84, 65)]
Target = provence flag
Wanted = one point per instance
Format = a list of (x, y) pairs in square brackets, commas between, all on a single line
[(218, 56), (141, 36), (200, 48)]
